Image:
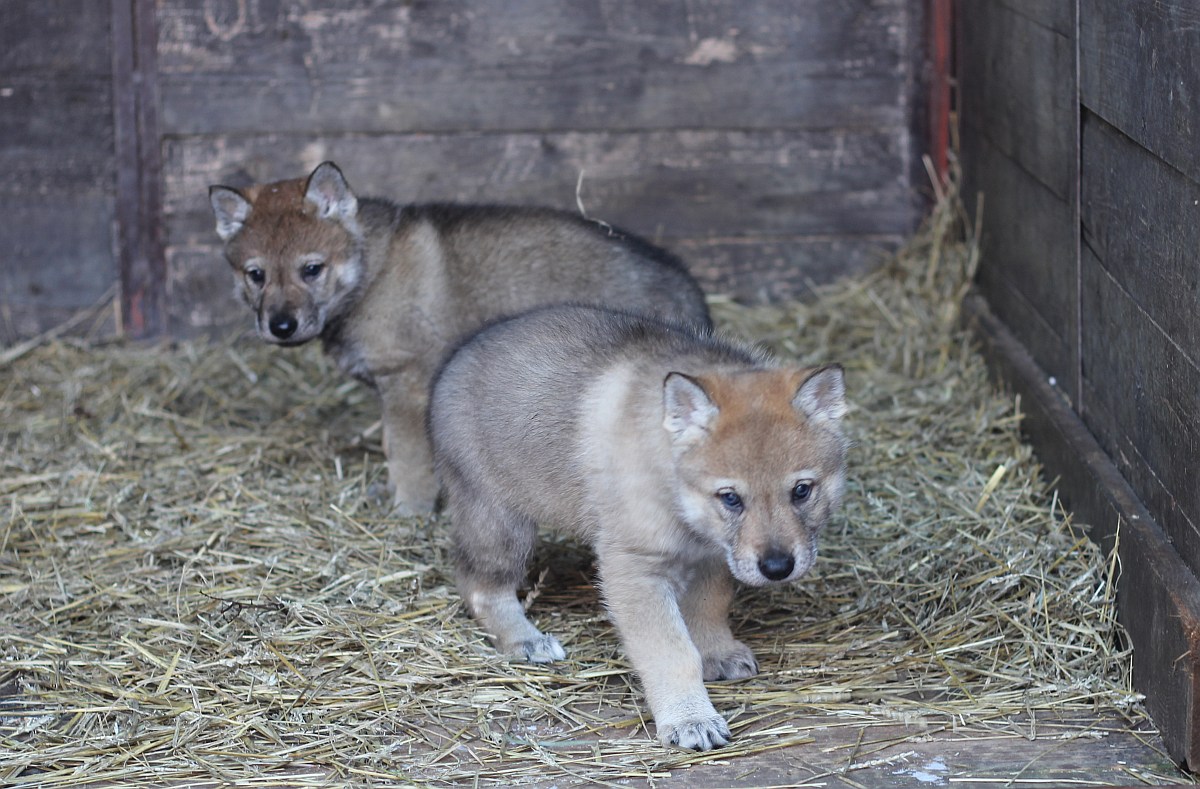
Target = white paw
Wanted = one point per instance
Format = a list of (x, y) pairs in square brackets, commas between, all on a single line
[(735, 663), (697, 734), (541, 650), (407, 505)]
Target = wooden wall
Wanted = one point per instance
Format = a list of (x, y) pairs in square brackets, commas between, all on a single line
[(772, 144), (57, 168), (1079, 127)]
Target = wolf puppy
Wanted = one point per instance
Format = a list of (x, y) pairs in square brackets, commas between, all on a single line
[(685, 461), (388, 288)]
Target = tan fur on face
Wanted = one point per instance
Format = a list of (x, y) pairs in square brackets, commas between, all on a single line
[(279, 236), (760, 445)]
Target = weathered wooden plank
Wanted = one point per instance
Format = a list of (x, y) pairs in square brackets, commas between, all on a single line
[(230, 66), (202, 299), (55, 135), (1143, 219), (1058, 15), (1158, 597), (1019, 90), (702, 184), (1028, 254), (56, 141), (766, 270), (66, 38), (1143, 403), (1140, 71), (57, 249), (138, 178)]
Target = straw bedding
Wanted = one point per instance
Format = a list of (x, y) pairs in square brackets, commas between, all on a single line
[(196, 582)]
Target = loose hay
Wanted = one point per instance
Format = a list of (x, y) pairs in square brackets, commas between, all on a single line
[(196, 584)]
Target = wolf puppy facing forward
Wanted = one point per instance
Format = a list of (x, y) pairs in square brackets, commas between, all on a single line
[(685, 461), (390, 288)]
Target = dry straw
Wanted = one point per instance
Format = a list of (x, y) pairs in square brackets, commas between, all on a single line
[(196, 584)]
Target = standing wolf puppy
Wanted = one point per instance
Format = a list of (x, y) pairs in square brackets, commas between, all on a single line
[(685, 461), (389, 288)]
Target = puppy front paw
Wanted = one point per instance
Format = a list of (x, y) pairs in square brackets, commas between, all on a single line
[(699, 733), (545, 649), (735, 662), (405, 504)]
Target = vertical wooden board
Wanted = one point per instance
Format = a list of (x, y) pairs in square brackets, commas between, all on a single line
[(1142, 401), (1143, 219), (1019, 90), (56, 140), (229, 66), (1058, 15), (1027, 256), (1140, 71)]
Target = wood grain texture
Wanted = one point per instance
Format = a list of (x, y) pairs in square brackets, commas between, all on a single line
[(1140, 71), (1028, 254), (766, 270), (660, 184), (1142, 400), (56, 135), (1143, 219), (233, 66), (1158, 596), (56, 140), (66, 38), (57, 249), (1019, 90), (1057, 16), (139, 171)]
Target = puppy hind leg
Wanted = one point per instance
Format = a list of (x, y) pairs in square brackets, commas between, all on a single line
[(492, 547)]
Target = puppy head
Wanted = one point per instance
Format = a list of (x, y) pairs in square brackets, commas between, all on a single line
[(761, 460), (296, 249)]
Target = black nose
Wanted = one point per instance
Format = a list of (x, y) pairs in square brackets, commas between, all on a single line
[(282, 326), (776, 565)]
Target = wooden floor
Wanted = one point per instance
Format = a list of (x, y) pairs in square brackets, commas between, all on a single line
[(1060, 753)]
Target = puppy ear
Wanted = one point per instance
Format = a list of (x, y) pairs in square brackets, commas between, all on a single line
[(822, 396), (688, 411), (328, 191), (230, 208)]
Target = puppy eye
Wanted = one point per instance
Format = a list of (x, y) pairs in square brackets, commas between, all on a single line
[(312, 270), (255, 275), (801, 492), (730, 500)]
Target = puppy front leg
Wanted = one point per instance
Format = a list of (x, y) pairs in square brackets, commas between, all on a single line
[(705, 606), (406, 445), (644, 607)]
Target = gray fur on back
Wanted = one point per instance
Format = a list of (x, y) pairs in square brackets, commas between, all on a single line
[(505, 415)]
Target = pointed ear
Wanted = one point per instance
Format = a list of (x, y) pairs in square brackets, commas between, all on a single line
[(231, 209), (328, 191), (822, 396), (688, 411)]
